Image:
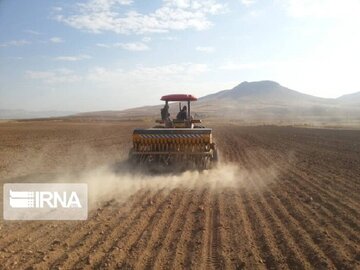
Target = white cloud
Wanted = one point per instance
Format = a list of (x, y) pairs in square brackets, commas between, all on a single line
[(322, 8), (248, 2), (141, 73), (172, 15), (254, 14), (125, 2), (205, 49), (32, 32), (57, 9), (111, 88), (39, 74), (151, 81), (233, 66), (184, 69), (141, 76), (146, 39), (54, 77), (331, 65), (16, 57), (171, 38), (130, 46), (72, 58), (16, 43), (56, 40), (133, 46), (103, 45)]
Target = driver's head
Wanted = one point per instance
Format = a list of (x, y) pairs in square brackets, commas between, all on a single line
[(184, 108)]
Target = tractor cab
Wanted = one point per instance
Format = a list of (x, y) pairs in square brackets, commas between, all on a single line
[(182, 118)]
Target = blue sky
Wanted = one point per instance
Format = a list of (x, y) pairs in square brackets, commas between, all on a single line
[(116, 54)]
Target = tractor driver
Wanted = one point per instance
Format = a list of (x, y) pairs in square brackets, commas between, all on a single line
[(182, 115), (165, 115)]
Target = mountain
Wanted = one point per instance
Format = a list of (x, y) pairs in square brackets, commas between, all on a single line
[(266, 100), (350, 99), (255, 102), (262, 91)]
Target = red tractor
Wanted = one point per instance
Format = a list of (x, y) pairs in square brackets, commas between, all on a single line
[(180, 141)]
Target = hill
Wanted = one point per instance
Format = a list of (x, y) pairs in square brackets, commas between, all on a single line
[(263, 92), (350, 99), (254, 102)]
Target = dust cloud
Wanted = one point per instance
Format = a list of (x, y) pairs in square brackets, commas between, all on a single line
[(106, 183)]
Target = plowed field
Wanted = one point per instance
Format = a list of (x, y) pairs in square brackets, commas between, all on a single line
[(281, 198)]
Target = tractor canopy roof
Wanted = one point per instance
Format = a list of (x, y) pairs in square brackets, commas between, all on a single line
[(178, 97)]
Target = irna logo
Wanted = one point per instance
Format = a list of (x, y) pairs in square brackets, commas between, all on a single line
[(45, 201), (41, 199)]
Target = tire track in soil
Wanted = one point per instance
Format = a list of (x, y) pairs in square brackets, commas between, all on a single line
[(247, 254), (271, 195), (203, 251), (312, 180), (325, 216), (85, 235), (259, 246), (337, 251), (343, 228), (264, 214), (270, 254), (166, 251), (50, 237), (22, 232), (195, 247), (231, 260), (297, 246), (142, 252), (346, 223), (212, 261), (310, 154), (337, 185), (253, 254), (36, 246), (232, 150), (330, 191), (292, 171), (218, 248), (295, 258), (322, 167), (33, 250), (117, 253), (180, 246), (94, 249), (333, 252), (156, 259), (314, 252), (328, 248)]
